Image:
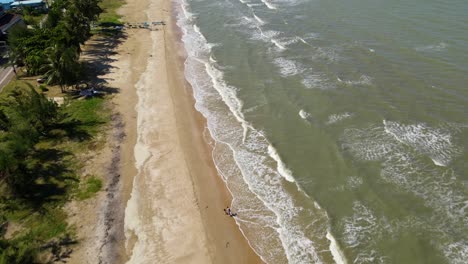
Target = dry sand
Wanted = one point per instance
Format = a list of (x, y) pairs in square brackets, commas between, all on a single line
[(174, 212)]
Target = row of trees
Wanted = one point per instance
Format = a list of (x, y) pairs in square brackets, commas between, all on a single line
[(32, 173), (25, 115), (53, 48)]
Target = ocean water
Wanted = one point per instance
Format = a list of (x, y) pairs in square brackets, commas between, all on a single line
[(340, 126)]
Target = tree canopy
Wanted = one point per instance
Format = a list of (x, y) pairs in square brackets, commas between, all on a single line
[(24, 117), (53, 48)]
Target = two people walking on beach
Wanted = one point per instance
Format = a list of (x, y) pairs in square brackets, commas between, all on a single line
[(229, 212)]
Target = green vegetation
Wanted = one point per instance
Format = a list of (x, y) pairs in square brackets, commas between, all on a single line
[(91, 186), (110, 16), (31, 16), (41, 142), (16, 84), (53, 49)]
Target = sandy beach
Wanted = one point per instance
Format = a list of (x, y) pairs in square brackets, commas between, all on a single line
[(166, 204)]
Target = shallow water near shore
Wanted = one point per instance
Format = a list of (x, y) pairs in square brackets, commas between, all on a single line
[(340, 127)]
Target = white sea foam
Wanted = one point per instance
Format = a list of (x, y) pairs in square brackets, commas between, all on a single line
[(369, 144), (290, 40), (259, 19), (311, 35), (337, 254), (259, 34), (254, 5), (288, 67), (189, 16), (334, 118), (361, 227), (442, 46), (283, 42), (331, 54), (363, 80), (212, 60), (303, 40), (369, 257), (354, 182), (269, 5), (197, 29), (315, 81), (457, 252), (278, 44), (303, 114), (290, 2), (433, 142), (270, 34), (403, 151), (247, 18), (282, 169)]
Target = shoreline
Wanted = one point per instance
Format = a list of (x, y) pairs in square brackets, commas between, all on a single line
[(204, 141), (163, 199)]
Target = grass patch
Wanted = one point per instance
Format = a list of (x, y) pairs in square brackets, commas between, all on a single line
[(37, 228), (110, 12), (89, 188), (30, 82), (15, 84), (43, 227), (90, 114)]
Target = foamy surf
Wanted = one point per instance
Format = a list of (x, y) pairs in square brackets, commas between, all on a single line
[(251, 166), (402, 151), (278, 44), (334, 118), (434, 142), (288, 67), (282, 169), (269, 5), (363, 80), (259, 20), (312, 83), (303, 114), (337, 254), (442, 46)]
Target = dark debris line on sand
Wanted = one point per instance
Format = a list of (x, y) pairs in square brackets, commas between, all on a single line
[(113, 208)]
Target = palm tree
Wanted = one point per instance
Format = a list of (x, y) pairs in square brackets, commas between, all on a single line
[(88, 8), (77, 25), (17, 45), (62, 65)]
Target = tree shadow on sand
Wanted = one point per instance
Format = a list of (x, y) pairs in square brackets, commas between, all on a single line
[(98, 57)]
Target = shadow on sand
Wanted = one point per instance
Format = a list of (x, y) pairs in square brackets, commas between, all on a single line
[(98, 57)]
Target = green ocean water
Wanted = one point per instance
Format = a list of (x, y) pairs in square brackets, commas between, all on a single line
[(341, 126)]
